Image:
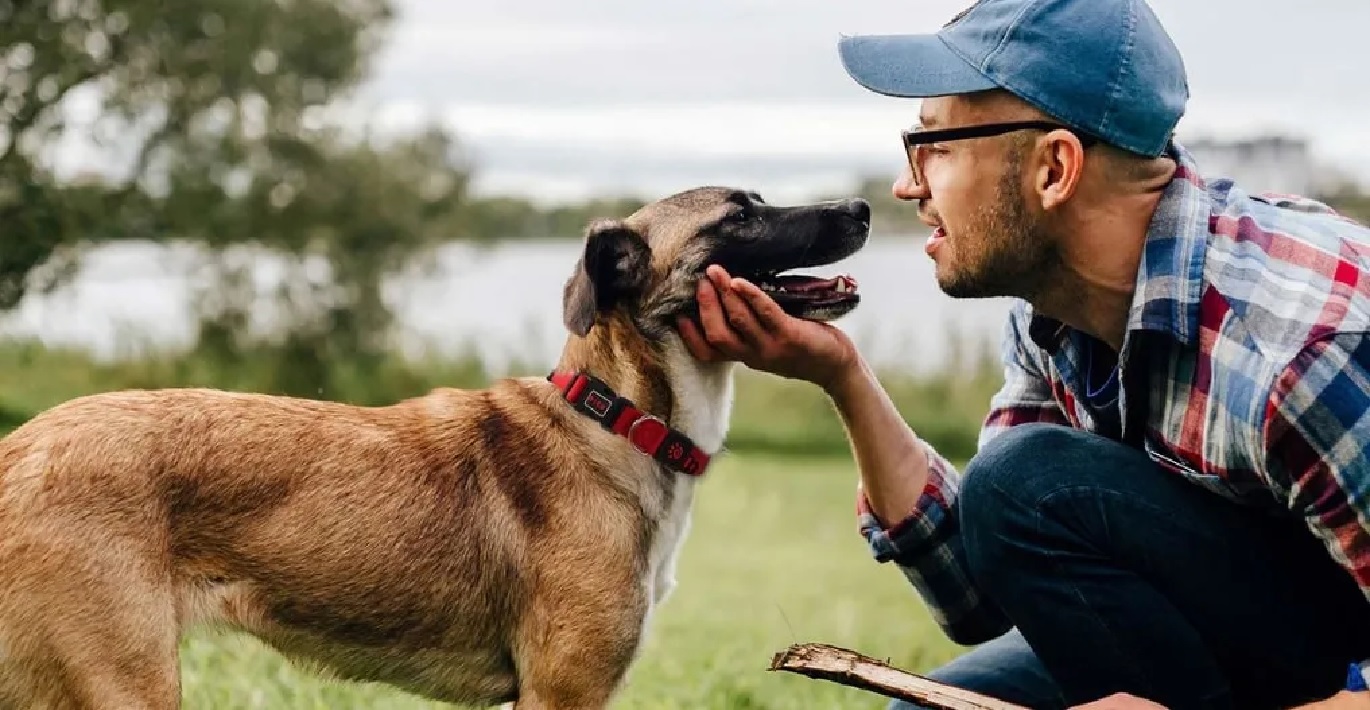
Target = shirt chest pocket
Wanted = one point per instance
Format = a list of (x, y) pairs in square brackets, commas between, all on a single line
[(1238, 484)]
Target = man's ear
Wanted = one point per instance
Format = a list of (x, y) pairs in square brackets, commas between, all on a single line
[(612, 267)]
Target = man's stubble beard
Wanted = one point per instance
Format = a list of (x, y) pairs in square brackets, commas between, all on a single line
[(1019, 259)]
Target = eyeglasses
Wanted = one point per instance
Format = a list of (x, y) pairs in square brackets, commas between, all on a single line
[(916, 140)]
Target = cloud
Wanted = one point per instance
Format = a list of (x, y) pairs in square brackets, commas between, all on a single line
[(789, 150), (545, 51), (606, 93), (572, 98)]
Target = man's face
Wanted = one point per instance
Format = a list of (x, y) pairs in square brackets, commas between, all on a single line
[(975, 193)]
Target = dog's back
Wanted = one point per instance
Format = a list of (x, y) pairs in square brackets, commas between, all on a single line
[(399, 555)]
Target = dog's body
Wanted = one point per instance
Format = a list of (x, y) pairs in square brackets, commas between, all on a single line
[(472, 546)]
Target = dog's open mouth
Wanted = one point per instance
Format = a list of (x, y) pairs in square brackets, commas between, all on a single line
[(810, 297)]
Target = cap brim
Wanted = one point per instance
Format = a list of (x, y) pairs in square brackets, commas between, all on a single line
[(910, 66)]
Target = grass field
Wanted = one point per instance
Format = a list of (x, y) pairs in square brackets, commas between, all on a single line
[(773, 558)]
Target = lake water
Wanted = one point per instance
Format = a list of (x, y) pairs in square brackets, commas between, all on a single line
[(502, 301)]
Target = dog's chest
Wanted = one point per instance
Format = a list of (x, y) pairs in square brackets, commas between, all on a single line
[(670, 537), (703, 399)]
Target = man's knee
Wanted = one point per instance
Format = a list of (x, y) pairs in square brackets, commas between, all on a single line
[(1004, 482), (1021, 463)]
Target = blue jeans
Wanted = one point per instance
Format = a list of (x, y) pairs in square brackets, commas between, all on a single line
[(1121, 576)]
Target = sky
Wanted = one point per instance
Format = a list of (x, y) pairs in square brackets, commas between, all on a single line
[(559, 100)]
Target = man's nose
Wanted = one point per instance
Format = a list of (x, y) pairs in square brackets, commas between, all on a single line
[(905, 188)]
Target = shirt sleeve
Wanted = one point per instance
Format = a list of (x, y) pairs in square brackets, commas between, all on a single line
[(926, 544), (1316, 445)]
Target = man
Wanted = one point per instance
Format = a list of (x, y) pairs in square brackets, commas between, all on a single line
[(1171, 496)]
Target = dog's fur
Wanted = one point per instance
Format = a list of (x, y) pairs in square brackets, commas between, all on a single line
[(478, 547)]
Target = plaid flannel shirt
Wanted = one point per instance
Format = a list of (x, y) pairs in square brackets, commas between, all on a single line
[(1255, 312)]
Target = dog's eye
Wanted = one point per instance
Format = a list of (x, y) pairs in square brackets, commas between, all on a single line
[(738, 216)]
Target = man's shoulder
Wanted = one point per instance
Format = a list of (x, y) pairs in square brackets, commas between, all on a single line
[(1289, 268)]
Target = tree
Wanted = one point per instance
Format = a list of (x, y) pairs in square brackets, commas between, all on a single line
[(215, 114), (365, 209), (162, 83)]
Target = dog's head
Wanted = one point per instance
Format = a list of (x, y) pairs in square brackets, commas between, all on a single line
[(649, 263)]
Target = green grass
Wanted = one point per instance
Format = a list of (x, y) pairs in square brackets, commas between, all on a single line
[(773, 558)]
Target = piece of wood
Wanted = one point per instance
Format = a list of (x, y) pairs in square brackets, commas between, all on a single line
[(849, 668)]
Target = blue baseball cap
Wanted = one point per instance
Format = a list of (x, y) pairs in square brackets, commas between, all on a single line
[(1105, 67)]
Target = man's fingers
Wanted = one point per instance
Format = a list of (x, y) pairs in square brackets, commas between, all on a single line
[(769, 314), (718, 276), (694, 340), (741, 318), (717, 333), (739, 314)]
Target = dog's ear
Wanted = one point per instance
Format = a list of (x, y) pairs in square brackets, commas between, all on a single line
[(613, 266)]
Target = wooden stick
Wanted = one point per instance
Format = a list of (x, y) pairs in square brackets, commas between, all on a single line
[(849, 668)]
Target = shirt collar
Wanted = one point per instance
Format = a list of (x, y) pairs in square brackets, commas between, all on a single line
[(1170, 276)]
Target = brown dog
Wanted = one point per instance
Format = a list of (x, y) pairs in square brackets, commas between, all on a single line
[(477, 547)]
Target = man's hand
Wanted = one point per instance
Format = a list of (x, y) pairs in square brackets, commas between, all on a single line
[(740, 322), (1120, 701), (1344, 700)]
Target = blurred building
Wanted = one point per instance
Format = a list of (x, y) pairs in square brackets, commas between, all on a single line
[(1268, 164)]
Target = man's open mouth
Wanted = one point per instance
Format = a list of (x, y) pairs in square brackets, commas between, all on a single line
[(810, 297)]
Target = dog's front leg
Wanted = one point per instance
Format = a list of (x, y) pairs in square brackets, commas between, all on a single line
[(559, 699), (578, 649), (571, 676)]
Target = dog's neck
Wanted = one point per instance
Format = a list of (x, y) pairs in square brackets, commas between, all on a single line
[(702, 405), (660, 378)]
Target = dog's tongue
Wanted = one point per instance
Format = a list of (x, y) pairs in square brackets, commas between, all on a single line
[(799, 283)]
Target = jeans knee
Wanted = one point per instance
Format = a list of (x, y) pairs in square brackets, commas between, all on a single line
[(1012, 465), (1004, 480)]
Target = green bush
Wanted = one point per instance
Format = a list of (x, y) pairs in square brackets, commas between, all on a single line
[(771, 414)]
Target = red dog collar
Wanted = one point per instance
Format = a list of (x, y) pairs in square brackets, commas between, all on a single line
[(652, 436)]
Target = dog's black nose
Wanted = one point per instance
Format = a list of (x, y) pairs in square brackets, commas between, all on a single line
[(860, 209)]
